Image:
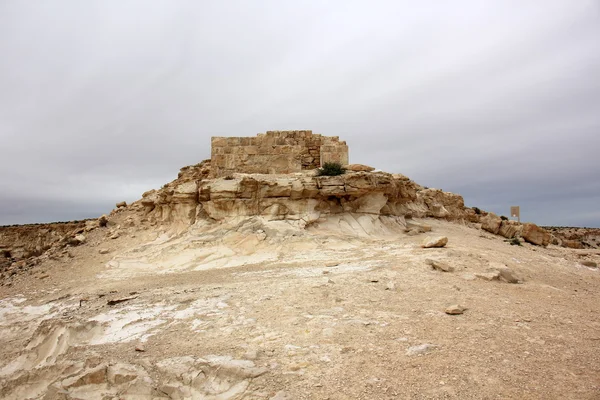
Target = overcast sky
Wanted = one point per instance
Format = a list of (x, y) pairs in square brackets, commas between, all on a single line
[(496, 100)]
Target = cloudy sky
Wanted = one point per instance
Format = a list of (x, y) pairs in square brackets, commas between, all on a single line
[(496, 100)]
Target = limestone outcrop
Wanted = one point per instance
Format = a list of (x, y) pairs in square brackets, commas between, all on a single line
[(302, 196), (512, 229)]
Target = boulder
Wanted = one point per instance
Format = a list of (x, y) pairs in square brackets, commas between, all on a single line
[(434, 241), (510, 229), (121, 204), (103, 220), (77, 240), (491, 223), (535, 235)]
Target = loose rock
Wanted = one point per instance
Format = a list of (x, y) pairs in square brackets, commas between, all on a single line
[(77, 240), (420, 349), (103, 221), (436, 241), (455, 309), (488, 276), (590, 264), (439, 265), (508, 276)]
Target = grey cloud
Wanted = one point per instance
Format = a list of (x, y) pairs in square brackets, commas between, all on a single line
[(497, 101)]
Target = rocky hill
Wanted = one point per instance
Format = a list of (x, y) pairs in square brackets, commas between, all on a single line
[(364, 285)]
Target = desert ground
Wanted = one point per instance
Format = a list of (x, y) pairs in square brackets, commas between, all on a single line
[(256, 309)]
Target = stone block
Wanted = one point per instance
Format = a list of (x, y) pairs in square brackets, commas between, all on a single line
[(217, 141)]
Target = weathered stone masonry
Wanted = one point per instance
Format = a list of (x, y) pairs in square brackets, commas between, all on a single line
[(276, 152)]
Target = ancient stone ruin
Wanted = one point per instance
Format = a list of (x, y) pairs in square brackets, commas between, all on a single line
[(276, 152)]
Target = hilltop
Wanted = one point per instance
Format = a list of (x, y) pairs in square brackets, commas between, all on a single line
[(252, 276)]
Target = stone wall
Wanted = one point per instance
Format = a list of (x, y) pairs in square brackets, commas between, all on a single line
[(276, 152)]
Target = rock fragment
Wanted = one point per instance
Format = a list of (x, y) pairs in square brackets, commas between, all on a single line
[(439, 265), (507, 275), (359, 168), (488, 276), (77, 240), (455, 309), (420, 349), (590, 264), (103, 220), (434, 241)]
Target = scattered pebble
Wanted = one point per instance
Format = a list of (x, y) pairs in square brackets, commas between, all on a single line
[(420, 349), (455, 309)]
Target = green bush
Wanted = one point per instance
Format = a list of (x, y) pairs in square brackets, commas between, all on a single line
[(503, 218), (514, 241), (331, 169), (477, 210)]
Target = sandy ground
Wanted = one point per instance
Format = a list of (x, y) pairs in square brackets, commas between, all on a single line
[(257, 310)]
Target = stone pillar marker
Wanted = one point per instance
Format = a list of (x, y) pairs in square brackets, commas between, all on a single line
[(515, 212)]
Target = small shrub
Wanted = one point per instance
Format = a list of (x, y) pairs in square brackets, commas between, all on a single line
[(514, 241), (229, 178), (503, 218), (331, 169), (477, 210)]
